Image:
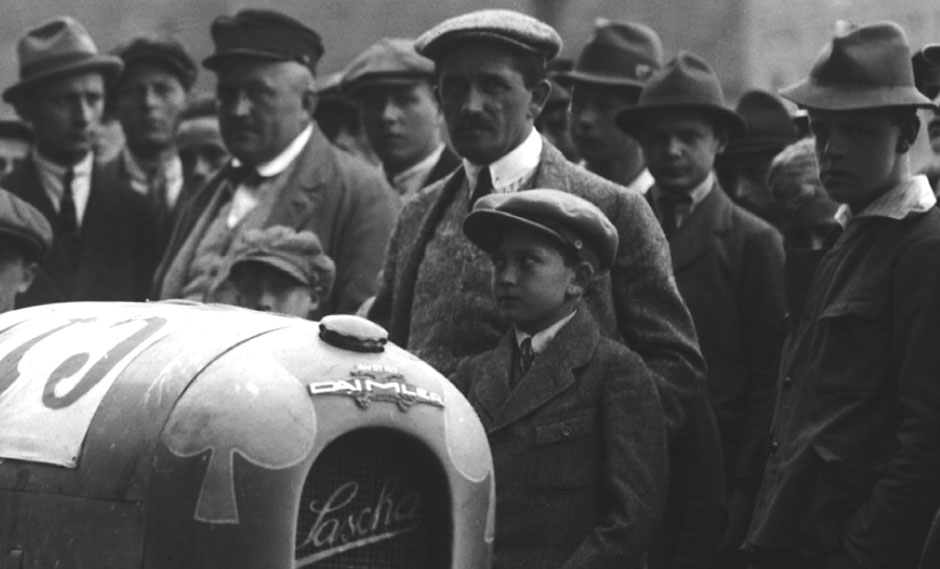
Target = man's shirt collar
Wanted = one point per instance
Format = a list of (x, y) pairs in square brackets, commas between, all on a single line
[(51, 176), (282, 161), (540, 340), (912, 196), (510, 171), (414, 178), (140, 181), (642, 183)]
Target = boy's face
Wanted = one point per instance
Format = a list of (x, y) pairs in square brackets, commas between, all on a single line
[(265, 288), (16, 275), (532, 285)]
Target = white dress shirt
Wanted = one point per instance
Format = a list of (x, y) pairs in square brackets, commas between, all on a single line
[(52, 175), (514, 170)]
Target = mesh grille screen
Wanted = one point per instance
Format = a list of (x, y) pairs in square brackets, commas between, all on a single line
[(374, 499)]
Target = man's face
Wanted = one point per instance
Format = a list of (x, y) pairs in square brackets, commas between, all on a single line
[(265, 288), (487, 106), (746, 181), (16, 274), (593, 109), (263, 106), (150, 99), (201, 150), (857, 154), (13, 151), (402, 121), (65, 112), (680, 146), (531, 282)]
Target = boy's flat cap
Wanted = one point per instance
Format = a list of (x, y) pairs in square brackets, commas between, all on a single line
[(295, 253), (390, 61), (167, 51), (24, 224), (504, 26), (264, 34), (572, 221)]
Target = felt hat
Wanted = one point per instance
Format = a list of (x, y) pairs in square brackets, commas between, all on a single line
[(24, 224), (865, 67), (57, 47), (504, 26), (264, 34), (390, 61), (573, 222), (297, 254), (685, 82), (168, 51), (618, 54), (769, 125)]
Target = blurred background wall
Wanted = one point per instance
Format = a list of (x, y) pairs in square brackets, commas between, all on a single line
[(752, 43)]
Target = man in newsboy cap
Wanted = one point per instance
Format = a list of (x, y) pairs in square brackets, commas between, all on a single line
[(284, 171), (851, 479), (434, 296), (103, 247), (393, 87), (25, 237)]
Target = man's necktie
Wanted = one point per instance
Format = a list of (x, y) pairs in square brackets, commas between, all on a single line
[(671, 206), (484, 186), (68, 216), (526, 355)]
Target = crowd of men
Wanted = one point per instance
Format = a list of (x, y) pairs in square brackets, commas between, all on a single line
[(732, 312)]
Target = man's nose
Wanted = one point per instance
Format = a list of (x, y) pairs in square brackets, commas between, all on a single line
[(474, 100)]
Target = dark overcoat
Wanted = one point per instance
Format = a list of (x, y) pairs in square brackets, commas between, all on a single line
[(579, 451), (117, 251), (346, 202)]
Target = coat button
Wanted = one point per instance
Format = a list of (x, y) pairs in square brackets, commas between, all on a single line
[(774, 445), (787, 381), (566, 431)]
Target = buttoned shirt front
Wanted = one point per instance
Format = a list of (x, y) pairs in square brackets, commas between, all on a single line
[(514, 170), (52, 175)]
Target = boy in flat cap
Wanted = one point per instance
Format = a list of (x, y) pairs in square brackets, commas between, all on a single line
[(607, 78), (728, 263), (490, 73), (202, 151), (573, 419), (278, 269), (16, 142), (25, 237), (283, 172), (851, 480), (393, 87), (104, 247)]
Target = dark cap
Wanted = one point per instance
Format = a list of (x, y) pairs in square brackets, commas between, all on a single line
[(503, 26), (862, 68), (574, 222), (618, 54), (264, 34), (769, 125), (168, 51), (298, 254), (685, 82), (391, 61), (24, 224)]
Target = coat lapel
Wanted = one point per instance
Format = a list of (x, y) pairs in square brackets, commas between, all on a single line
[(552, 373), (491, 386), (97, 244), (300, 192), (694, 238)]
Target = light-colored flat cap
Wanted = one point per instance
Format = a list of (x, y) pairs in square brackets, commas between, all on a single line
[(389, 61), (506, 26)]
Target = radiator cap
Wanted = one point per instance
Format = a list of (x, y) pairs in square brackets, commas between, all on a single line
[(353, 333)]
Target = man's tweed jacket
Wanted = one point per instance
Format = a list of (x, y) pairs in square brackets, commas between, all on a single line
[(443, 311), (579, 450)]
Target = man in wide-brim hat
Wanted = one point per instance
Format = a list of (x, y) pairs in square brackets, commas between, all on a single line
[(102, 248), (607, 77), (851, 479), (728, 263)]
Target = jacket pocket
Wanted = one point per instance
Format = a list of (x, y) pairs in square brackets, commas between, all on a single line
[(854, 345), (566, 452)]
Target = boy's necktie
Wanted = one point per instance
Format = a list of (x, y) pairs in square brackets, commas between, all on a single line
[(526, 355)]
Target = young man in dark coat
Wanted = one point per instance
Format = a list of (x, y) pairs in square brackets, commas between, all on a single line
[(851, 481), (728, 263), (573, 419), (433, 294)]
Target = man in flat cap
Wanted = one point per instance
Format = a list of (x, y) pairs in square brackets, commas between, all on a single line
[(16, 142), (607, 78), (103, 248), (851, 479), (148, 100), (434, 294), (393, 86), (25, 237), (284, 170)]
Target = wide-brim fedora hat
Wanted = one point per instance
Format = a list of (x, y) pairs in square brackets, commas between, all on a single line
[(58, 47), (685, 82), (618, 54), (769, 125), (862, 68)]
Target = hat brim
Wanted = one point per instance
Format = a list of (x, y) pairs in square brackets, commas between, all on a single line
[(631, 120), (483, 228), (29, 243), (108, 65), (812, 95), (213, 61), (755, 145), (185, 74), (442, 43), (275, 262), (570, 77), (370, 81), (932, 53)]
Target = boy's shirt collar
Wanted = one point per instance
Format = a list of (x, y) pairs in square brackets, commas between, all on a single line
[(911, 196), (541, 339)]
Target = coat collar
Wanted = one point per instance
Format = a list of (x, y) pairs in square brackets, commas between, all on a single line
[(713, 216)]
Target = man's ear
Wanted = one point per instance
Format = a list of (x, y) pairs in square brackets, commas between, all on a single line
[(27, 276), (316, 293), (540, 92), (583, 275), (722, 136), (909, 130)]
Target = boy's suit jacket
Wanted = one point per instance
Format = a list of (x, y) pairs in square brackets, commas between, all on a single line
[(579, 449)]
